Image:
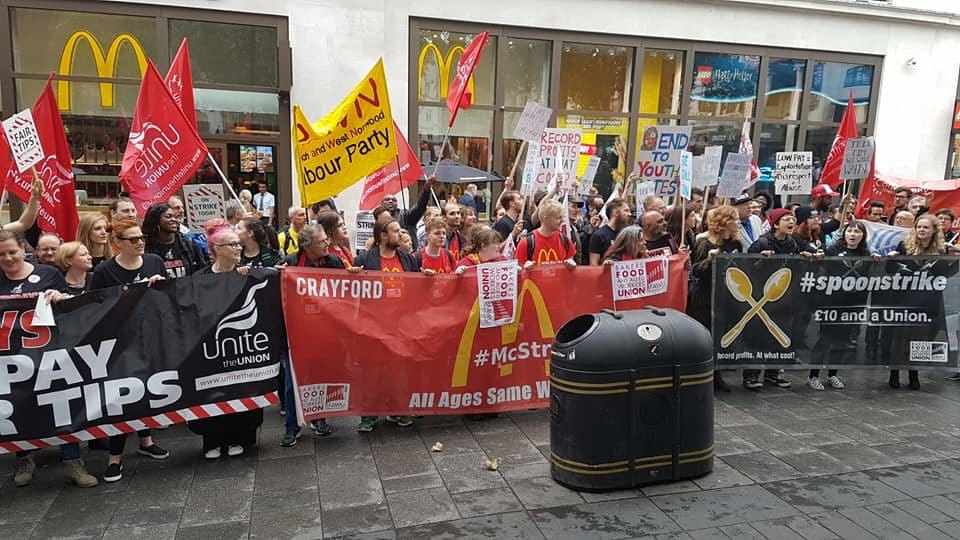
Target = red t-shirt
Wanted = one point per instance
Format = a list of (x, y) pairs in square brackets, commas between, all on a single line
[(440, 264), (547, 249), (391, 265), (453, 245), (474, 259)]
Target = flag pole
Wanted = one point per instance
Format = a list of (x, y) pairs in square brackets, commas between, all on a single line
[(223, 178), (516, 161)]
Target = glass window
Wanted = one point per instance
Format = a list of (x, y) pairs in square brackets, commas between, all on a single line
[(725, 134), (228, 53), (525, 72), (819, 141), (470, 140), (724, 84), (83, 98), (437, 59), (221, 112), (784, 88), (595, 77), (832, 85), (88, 44), (604, 136), (774, 138), (660, 86)]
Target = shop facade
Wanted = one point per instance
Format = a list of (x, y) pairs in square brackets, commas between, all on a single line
[(609, 68)]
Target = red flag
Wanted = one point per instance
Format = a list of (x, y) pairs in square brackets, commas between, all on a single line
[(180, 82), (834, 163), (457, 95), (163, 150), (58, 209), (385, 181)]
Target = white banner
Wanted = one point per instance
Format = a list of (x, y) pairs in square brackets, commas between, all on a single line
[(497, 293), (203, 202), (639, 278)]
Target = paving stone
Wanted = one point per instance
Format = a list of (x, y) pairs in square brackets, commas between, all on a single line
[(609, 519), (722, 476), (79, 512), (218, 501), (907, 522), (421, 507), (152, 532), (27, 504), (287, 474), (768, 438), (951, 529), (761, 467), (465, 472), (922, 480), (842, 526), (878, 527), (725, 444), (221, 531), (349, 480), (908, 453), (347, 520), (511, 448), (923, 511), (866, 434), (511, 526), (292, 514), (721, 507), (815, 463), (741, 531), (543, 492), (669, 488), (406, 469), (858, 456), (708, 534), (807, 528), (775, 529), (830, 493), (456, 439), (487, 501), (943, 504), (610, 495), (942, 443)]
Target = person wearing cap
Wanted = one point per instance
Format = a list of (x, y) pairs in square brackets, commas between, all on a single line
[(751, 228), (820, 200), (809, 228)]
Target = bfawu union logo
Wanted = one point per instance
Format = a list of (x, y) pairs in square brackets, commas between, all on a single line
[(323, 398)]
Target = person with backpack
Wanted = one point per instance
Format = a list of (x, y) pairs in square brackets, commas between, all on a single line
[(289, 237), (546, 244), (181, 257)]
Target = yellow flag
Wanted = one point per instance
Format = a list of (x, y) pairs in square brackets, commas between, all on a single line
[(353, 140)]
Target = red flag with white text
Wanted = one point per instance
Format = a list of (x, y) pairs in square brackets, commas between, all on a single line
[(58, 208), (163, 150), (180, 82), (846, 131), (387, 181), (457, 95)]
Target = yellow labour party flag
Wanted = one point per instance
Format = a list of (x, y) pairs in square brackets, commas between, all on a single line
[(352, 141)]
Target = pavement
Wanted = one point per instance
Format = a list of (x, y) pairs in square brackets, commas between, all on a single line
[(865, 462)]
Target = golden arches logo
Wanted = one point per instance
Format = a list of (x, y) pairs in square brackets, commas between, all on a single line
[(548, 255), (443, 68), (106, 64), (508, 333)]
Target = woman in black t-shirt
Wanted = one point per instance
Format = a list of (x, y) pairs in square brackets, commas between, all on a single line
[(129, 266), (74, 260), (256, 252)]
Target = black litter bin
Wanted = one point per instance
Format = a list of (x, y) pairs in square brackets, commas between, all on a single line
[(631, 400)]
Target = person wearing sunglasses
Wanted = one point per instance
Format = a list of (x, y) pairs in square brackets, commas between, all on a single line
[(130, 265), (181, 257)]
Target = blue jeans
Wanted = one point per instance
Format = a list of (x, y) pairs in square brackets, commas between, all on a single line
[(286, 395)]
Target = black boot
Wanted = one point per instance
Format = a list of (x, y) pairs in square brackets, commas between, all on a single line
[(914, 379), (894, 381), (719, 385)]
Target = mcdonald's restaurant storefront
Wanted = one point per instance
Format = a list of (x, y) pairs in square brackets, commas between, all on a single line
[(97, 52)]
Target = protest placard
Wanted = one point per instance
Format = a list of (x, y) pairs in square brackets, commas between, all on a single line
[(23, 139), (497, 293), (559, 153), (659, 158), (639, 278), (856, 158), (203, 202), (794, 173), (586, 182), (707, 173), (364, 230), (533, 121), (686, 175), (644, 190), (735, 173), (531, 168)]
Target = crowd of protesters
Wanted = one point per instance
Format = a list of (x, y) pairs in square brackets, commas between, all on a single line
[(116, 248)]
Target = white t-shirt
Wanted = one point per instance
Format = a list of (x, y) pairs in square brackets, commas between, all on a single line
[(264, 203)]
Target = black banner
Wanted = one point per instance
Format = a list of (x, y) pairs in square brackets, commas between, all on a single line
[(792, 312), (129, 353)]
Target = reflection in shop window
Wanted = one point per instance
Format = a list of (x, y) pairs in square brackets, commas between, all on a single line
[(774, 138), (660, 86), (595, 77), (603, 136), (437, 56), (833, 84), (819, 141), (469, 142), (228, 53), (724, 84), (230, 112), (725, 134), (525, 72), (784, 88)]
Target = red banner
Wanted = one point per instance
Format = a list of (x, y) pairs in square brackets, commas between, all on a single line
[(164, 149), (58, 208), (940, 193), (387, 180), (180, 82), (410, 344), (847, 130)]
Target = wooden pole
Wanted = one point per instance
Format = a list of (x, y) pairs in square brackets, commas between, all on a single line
[(683, 221)]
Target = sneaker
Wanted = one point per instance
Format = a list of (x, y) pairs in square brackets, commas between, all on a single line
[(835, 383), (367, 425), (290, 438), (720, 385), (114, 472), (814, 382), (235, 450), (283, 412), (777, 380), (213, 453), (752, 383), (77, 474), (914, 380), (153, 451), (400, 421), (23, 474), (321, 428), (955, 377)]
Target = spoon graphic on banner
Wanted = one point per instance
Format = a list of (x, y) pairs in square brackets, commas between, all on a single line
[(742, 289)]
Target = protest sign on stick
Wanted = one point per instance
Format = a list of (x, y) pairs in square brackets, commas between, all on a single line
[(497, 293), (856, 158), (203, 202), (659, 158), (736, 172), (708, 172), (365, 221), (686, 175), (24, 140), (794, 173), (639, 278), (533, 121), (586, 182)]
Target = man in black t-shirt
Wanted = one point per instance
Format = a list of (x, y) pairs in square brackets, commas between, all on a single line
[(618, 216), (655, 234), (512, 202)]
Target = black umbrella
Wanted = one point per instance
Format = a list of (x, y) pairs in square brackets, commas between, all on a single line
[(451, 172)]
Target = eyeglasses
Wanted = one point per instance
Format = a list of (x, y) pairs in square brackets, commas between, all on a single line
[(235, 245), (133, 239), (323, 243)]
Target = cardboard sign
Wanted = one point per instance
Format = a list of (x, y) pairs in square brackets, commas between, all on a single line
[(644, 190), (364, 230), (736, 172), (659, 158), (586, 182), (794, 173), (559, 153), (639, 278), (706, 169), (203, 202), (856, 158), (528, 183), (497, 293), (24, 140), (686, 175), (533, 121)]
